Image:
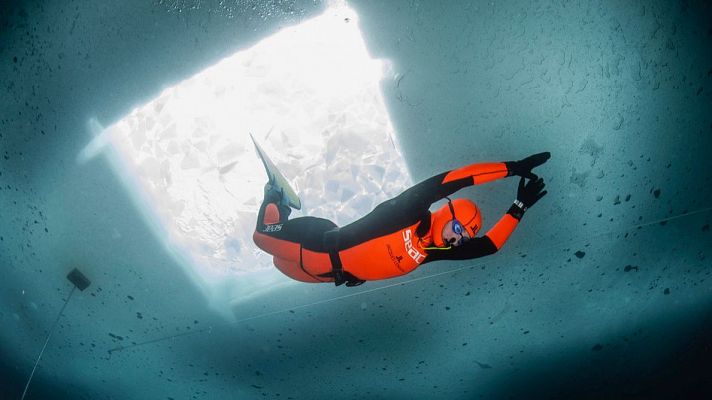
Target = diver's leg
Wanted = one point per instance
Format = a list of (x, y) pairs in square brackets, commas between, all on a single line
[(288, 239), (273, 209)]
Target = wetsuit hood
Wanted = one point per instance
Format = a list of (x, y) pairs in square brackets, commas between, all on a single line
[(464, 211)]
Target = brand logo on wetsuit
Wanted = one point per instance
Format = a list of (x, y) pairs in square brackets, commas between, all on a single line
[(396, 259), (412, 252), (273, 228)]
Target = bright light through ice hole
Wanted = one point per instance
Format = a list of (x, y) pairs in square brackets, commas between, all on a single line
[(310, 95)]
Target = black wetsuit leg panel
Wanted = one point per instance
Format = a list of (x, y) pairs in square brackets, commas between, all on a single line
[(308, 231)]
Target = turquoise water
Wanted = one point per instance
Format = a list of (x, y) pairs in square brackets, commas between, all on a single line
[(604, 290)]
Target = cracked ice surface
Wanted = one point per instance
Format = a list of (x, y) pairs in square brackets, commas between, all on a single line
[(310, 96)]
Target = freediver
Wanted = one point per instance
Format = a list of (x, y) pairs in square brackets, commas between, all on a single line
[(400, 234)]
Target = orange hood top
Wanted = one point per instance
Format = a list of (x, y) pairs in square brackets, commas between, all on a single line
[(463, 210)]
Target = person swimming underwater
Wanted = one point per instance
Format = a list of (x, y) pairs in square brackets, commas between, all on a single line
[(400, 234)]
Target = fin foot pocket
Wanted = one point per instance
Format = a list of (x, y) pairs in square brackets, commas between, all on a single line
[(276, 179)]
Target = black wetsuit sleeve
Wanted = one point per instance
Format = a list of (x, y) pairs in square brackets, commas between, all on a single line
[(475, 248), (401, 211), (427, 192)]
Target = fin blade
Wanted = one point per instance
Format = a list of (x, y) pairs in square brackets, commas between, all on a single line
[(276, 178)]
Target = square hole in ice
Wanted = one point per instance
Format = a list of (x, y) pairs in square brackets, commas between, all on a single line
[(310, 95)]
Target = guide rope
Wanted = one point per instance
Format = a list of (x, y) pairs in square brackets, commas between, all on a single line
[(363, 292), (51, 331)]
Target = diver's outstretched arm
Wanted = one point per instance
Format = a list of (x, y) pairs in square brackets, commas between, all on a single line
[(487, 172), (427, 192), (524, 167), (479, 173)]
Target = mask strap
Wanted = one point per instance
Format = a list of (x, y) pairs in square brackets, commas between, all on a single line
[(452, 209)]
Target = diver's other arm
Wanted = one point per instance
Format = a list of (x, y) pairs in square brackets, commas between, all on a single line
[(527, 195), (494, 239)]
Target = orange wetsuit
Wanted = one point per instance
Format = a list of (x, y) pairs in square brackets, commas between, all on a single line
[(392, 240)]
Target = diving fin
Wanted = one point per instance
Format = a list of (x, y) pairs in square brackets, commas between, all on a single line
[(277, 180)]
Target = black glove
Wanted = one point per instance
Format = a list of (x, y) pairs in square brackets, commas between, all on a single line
[(527, 195), (524, 167)]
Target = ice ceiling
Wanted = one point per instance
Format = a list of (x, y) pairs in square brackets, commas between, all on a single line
[(310, 94)]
